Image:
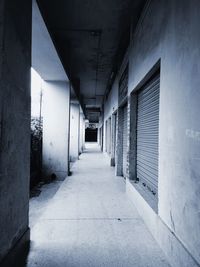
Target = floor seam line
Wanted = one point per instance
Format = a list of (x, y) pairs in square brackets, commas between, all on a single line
[(92, 219)]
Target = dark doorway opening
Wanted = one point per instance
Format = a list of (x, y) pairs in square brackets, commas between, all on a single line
[(90, 135)]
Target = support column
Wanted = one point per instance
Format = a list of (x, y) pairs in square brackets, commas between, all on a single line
[(119, 143), (15, 64), (81, 134), (99, 136), (132, 137), (74, 131), (104, 136), (113, 142), (56, 97)]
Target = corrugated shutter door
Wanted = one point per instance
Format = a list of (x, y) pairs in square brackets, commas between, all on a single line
[(124, 139), (147, 134)]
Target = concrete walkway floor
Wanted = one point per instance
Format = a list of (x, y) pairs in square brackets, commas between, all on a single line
[(91, 223)]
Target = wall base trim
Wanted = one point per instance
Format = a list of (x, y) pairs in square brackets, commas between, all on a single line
[(176, 254), (18, 253)]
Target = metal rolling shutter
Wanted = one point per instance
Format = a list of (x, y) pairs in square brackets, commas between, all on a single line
[(124, 139), (147, 134)]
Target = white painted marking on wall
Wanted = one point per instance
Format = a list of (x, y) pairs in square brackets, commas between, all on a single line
[(195, 135)]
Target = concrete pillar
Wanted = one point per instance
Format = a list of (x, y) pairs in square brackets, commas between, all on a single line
[(119, 143), (104, 136), (101, 137), (113, 142), (56, 97), (74, 131), (109, 137), (15, 64), (98, 136), (81, 134), (132, 137)]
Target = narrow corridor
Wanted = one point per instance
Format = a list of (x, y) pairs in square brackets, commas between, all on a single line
[(91, 222)]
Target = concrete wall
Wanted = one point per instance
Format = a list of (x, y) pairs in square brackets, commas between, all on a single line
[(56, 97), (169, 31), (15, 63), (74, 131), (174, 38)]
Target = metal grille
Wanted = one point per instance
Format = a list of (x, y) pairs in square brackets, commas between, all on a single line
[(147, 134), (124, 140)]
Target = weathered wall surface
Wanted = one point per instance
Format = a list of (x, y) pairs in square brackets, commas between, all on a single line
[(15, 63), (56, 97), (74, 131), (169, 31)]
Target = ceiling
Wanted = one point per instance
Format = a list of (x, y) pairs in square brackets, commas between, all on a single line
[(91, 37)]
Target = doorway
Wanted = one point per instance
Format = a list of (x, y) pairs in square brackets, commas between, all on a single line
[(91, 135)]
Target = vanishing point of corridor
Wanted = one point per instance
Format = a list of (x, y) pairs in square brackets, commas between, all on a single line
[(90, 222)]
